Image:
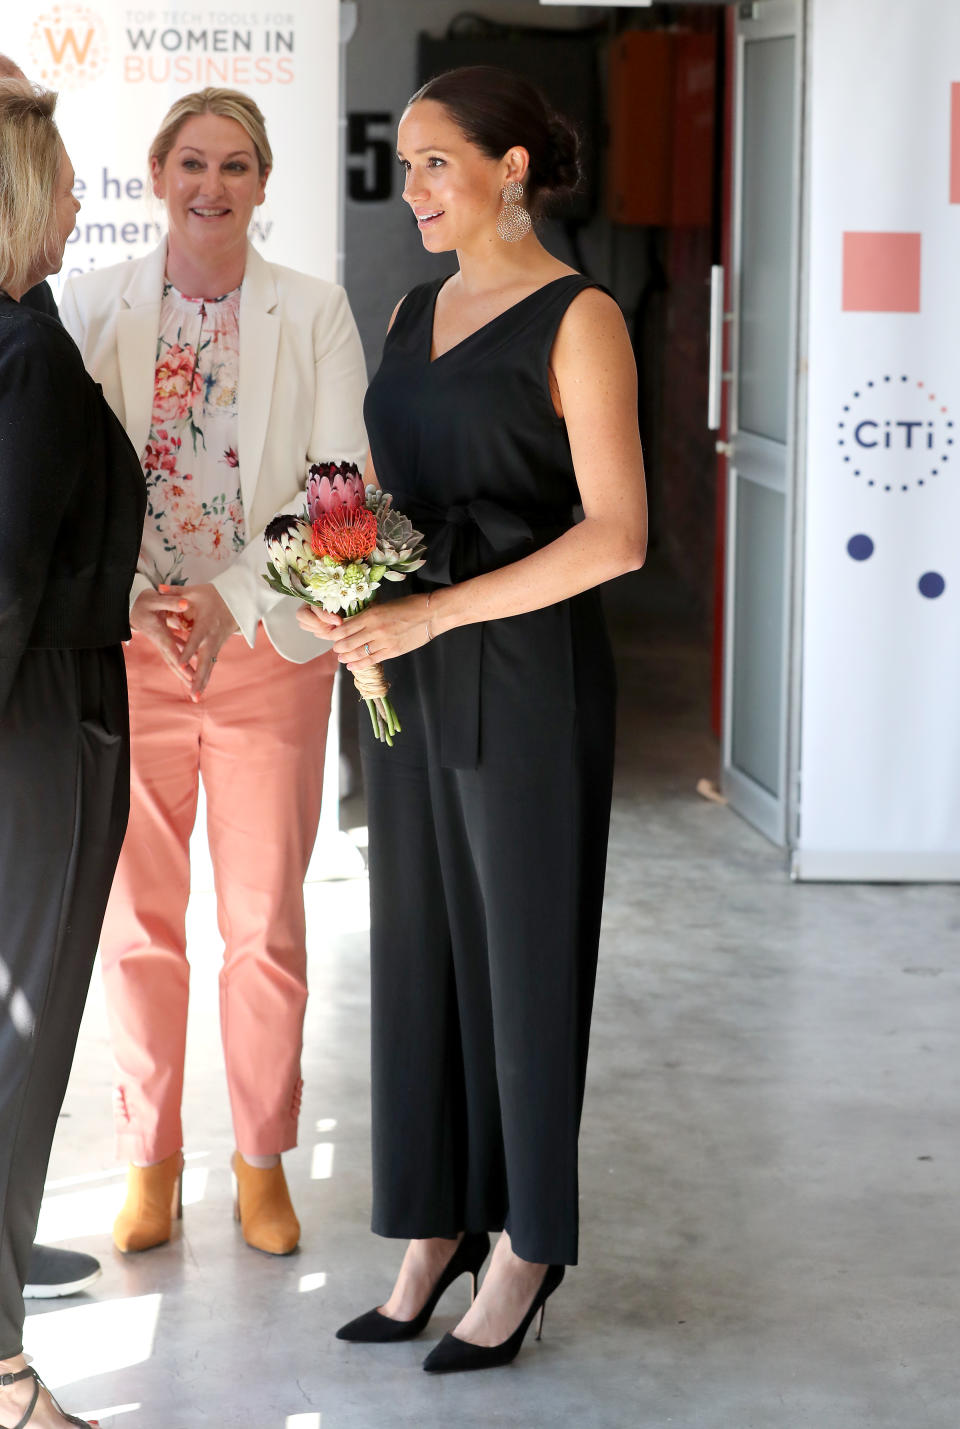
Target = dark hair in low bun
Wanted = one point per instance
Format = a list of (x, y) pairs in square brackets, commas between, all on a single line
[(497, 109), (562, 168)]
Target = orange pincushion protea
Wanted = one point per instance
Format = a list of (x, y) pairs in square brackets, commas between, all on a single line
[(345, 535)]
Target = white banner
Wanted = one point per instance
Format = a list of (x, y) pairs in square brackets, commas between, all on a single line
[(880, 767), (119, 67)]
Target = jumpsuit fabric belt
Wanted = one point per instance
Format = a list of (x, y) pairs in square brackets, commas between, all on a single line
[(462, 542)]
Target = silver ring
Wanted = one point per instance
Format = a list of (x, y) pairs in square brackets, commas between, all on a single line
[(367, 649)]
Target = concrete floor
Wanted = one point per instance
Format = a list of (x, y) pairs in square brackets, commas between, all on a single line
[(770, 1160)]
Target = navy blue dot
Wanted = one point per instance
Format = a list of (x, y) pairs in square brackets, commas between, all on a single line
[(934, 472), (841, 442), (887, 488), (869, 384), (904, 379), (920, 481), (886, 379), (856, 471), (871, 482), (945, 457), (841, 425), (931, 584), (903, 488), (860, 547), (847, 458), (949, 424), (856, 394), (846, 409)]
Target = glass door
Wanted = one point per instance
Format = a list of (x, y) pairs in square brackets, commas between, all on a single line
[(763, 379)]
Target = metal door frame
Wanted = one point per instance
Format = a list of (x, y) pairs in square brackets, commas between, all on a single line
[(774, 817)]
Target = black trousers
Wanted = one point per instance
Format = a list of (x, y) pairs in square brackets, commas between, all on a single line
[(64, 797), (486, 894)]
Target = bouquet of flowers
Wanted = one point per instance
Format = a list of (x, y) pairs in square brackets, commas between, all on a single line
[(336, 553)]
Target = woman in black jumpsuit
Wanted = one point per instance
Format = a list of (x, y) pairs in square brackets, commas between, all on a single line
[(72, 500), (489, 816)]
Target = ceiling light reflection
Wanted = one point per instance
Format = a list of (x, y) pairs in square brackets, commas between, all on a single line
[(91, 1211), (302, 1421), (113, 1173), (112, 1410), (195, 1180), (79, 1213), (337, 908), (321, 1167), (316, 1281), (87, 1340)]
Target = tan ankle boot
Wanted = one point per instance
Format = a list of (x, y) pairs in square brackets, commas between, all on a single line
[(154, 1196), (262, 1206)]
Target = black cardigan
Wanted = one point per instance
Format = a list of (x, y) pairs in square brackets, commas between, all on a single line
[(72, 498), (41, 299)]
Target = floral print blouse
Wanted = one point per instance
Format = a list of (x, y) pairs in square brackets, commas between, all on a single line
[(195, 522)]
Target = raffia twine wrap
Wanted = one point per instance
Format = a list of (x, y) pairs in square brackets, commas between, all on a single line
[(371, 683)]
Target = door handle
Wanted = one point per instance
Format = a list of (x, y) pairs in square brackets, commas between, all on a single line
[(717, 376)]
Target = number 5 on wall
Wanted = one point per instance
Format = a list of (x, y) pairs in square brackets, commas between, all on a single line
[(371, 158)]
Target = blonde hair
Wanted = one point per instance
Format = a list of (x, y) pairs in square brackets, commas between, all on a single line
[(30, 152), (228, 104)]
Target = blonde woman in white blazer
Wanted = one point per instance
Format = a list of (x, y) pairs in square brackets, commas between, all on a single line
[(231, 375)]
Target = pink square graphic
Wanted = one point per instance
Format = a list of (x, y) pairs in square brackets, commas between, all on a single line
[(881, 272), (955, 143)]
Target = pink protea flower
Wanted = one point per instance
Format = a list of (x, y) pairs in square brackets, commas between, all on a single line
[(332, 487), (345, 535)]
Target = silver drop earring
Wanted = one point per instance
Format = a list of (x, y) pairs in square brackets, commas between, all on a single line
[(513, 220)]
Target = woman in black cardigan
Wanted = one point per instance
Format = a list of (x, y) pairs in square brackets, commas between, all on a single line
[(71, 509)]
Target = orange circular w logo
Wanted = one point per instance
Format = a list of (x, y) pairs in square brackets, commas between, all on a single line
[(68, 46)]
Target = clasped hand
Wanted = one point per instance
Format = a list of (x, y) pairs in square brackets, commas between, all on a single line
[(188, 624), (381, 632)]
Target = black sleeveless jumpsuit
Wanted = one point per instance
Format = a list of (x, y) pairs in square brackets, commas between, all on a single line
[(489, 816)]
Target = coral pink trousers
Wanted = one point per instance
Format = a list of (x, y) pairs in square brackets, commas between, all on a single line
[(257, 738)]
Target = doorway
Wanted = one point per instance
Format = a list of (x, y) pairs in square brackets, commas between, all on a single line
[(693, 124), (760, 441)]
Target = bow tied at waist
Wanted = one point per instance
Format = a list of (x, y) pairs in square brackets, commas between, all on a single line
[(464, 541), (477, 536)]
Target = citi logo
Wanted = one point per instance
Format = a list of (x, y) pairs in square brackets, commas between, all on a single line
[(895, 434), (902, 433), (68, 46)]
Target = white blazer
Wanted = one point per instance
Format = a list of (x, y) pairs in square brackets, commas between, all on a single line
[(300, 400)]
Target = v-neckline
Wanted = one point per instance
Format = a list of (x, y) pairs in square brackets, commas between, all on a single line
[(431, 360)]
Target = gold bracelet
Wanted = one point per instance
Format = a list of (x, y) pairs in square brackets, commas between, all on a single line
[(426, 623)]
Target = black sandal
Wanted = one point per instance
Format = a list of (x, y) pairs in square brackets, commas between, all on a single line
[(31, 1373)]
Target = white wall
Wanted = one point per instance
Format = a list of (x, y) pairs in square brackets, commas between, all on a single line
[(881, 659), (118, 68)]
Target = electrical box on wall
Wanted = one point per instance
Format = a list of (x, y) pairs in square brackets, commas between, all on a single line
[(694, 131), (662, 114), (641, 97)]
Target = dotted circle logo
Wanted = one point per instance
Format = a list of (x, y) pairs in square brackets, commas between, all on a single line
[(68, 46), (894, 434)]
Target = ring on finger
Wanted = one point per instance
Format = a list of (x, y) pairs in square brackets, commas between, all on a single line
[(366, 649)]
